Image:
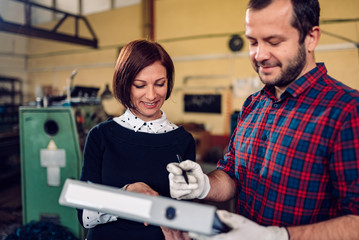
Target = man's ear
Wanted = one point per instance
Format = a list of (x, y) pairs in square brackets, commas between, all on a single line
[(312, 38)]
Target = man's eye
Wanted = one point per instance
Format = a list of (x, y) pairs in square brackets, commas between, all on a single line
[(274, 43)]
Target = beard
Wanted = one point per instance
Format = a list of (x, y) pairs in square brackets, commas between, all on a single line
[(288, 74)]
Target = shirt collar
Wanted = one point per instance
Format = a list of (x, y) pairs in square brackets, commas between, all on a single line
[(136, 123), (301, 84), (307, 80)]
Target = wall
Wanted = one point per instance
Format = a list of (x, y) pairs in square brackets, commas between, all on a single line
[(210, 55), (196, 34), (51, 63), (13, 47)]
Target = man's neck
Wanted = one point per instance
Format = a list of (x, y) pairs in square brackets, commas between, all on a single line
[(279, 90)]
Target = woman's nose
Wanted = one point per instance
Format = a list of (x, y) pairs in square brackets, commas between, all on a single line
[(151, 93)]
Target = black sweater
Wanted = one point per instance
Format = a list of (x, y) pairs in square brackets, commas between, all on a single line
[(117, 156)]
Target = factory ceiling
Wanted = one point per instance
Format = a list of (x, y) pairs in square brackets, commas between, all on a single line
[(40, 11), (23, 17)]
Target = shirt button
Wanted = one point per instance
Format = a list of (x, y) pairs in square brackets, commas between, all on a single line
[(256, 170), (264, 137), (275, 105)]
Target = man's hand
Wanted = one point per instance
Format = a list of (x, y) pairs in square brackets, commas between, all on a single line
[(198, 186), (243, 228)]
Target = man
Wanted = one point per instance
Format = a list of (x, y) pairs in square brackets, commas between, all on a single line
[(293, 160)]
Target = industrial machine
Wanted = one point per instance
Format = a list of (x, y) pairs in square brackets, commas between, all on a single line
[(52, 140)]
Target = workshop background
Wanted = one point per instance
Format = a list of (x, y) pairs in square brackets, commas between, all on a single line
[(45, 51)]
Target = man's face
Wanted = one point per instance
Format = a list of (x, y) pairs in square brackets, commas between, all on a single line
[(274, 47)]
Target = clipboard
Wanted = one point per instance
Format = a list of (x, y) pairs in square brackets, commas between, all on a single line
[(155, 210)]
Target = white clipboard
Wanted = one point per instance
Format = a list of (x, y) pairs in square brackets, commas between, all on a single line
[(155, 210)]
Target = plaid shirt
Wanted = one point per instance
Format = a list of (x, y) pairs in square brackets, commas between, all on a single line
[(296, 160)]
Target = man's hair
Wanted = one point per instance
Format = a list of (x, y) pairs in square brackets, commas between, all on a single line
[(135, 56), (306, 14)]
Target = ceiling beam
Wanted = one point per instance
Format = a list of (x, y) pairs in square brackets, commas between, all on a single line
[(31, 31), (41, 33)]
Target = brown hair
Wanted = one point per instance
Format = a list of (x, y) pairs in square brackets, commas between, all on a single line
[(306, 14), (135, 56)]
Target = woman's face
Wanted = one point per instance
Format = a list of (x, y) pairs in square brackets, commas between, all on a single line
[(148, 91)]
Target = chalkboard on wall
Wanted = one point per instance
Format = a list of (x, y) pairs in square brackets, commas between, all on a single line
[(203, 103)]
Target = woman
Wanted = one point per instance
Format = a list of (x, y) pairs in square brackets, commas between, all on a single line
[(132, 151)]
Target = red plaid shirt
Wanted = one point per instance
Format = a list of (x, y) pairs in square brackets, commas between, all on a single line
[(296, 160)]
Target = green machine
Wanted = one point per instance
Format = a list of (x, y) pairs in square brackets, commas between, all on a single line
[(51, 142)]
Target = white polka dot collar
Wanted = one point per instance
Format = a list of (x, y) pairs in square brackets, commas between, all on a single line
[(160, 125)]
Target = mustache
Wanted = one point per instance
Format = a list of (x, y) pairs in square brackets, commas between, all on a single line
[(267, 64)]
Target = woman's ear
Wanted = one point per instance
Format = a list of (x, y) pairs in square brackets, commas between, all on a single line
[(312, 38)]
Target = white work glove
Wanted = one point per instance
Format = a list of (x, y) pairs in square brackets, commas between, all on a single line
[(243, 228), (198, 186)]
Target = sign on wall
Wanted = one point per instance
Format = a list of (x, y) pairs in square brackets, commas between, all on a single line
[(203, 103)]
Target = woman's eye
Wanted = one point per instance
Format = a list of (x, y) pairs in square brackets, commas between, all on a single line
[(138, 86), (160, 84)]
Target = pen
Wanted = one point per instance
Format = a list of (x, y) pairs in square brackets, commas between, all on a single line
[(183, 171)]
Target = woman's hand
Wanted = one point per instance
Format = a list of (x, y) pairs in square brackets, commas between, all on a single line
[(172, 234), (141, 187)]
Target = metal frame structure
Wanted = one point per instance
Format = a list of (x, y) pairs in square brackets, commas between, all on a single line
[(53, 34), (330, 21)]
